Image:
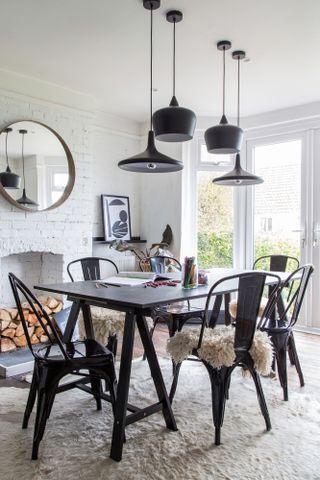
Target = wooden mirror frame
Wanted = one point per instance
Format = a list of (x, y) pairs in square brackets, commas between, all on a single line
[(71, 166)]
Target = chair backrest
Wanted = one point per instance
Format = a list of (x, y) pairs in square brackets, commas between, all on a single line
[(161, 264), (90, 267), (298, 282), (18, 287), (276, 263), (250, 287)]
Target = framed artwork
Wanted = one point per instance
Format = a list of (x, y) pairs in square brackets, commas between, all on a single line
[(116, 217)]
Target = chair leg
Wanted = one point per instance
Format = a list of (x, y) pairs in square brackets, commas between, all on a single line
[(261, 398), (48, 382), (290, 351), (219, 380), (112, 344), (174, 384), (31, 398), (281, 357), (296, 362), (96, 389)]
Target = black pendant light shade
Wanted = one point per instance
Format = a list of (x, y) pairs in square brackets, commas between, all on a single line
[(24, 200), (238, 177), (151, 161), (174, 123), (224, 138), (8, 179)]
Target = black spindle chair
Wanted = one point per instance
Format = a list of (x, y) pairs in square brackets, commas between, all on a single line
[(52, 362), (280, 326), (92, 268), (250, 287)]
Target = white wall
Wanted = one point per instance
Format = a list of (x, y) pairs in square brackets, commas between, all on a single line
[(160, 202)]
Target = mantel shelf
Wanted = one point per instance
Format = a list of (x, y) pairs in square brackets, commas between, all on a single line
[(102, 240)]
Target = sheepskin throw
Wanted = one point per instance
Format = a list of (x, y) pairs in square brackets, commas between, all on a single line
[(233, 306), (105, 323), (217, 347)]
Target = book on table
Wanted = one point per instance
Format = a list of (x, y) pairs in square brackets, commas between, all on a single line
[(130, 279)]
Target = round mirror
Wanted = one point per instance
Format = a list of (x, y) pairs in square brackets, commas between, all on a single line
[(36, 166)]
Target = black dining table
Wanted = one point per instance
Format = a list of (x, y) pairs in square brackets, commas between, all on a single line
[(136, 302)]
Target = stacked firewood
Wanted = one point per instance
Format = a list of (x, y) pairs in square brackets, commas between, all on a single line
[(12, 335)]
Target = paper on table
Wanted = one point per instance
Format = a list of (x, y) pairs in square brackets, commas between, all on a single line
[(124, 281)]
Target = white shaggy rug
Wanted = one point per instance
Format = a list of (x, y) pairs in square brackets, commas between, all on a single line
[(77, 440)]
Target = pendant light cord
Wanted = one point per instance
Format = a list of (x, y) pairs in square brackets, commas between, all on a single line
[(224, 81), (174, 58), (151, 65), (238, 114), (22, 154), (7, 149)]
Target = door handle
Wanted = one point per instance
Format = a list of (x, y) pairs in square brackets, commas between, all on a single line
[(315, 239), (302, 232)]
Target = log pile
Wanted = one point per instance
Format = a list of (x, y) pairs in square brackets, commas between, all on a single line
[(12, 335)]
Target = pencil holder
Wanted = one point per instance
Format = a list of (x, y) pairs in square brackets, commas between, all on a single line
[(189, 278)]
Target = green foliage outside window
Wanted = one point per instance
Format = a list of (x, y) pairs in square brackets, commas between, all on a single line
[(215, 250)]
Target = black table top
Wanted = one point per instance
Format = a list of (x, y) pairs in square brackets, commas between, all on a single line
[(139, 296)]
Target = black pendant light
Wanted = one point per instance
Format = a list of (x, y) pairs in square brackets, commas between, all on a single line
[(174, 123), (151, 161), (24, 200), (223, 138), (8, 178), (238, 176)]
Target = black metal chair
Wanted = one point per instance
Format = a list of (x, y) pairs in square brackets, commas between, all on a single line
[(279, 326), (276, 263), (91, 268), (210, 345), (55, 361), (174, 315)]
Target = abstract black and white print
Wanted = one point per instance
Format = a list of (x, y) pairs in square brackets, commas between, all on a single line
[(116, 217)]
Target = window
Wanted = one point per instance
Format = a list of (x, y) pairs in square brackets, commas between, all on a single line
[(214, 212)]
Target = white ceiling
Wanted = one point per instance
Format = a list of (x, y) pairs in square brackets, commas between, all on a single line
[(101, 48)]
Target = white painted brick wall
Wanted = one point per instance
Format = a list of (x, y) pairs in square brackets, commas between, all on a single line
[(67, 231)]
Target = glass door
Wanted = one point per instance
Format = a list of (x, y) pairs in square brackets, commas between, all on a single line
[(278, 223), (282, 213)]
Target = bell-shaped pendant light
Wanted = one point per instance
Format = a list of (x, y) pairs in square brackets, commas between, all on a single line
[(174, 123), (8, 179), (238, 177), (223, 138), (151, 161), (24, 200)]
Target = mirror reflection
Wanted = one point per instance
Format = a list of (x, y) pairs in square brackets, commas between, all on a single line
[(35, 166)]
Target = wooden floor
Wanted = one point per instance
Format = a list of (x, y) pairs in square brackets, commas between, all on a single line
[(308, 347)]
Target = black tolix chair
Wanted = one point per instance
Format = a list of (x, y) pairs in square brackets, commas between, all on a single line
[(279, 324), (53, 362), (177, 314), (222, 349), (107, 324)]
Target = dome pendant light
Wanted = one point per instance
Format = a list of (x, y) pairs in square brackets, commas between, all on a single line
[(24, 200), (8, 179), (224, 138), (151, 161), (238, 176), (174, 123)]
